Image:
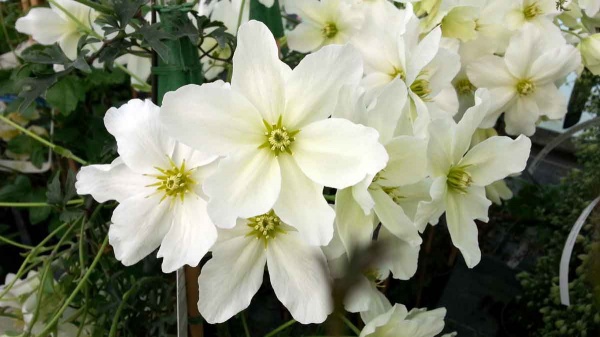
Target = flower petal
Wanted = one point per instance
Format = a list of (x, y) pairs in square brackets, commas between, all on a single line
[(469, 123), (305, 38), (430, 211), (257, 73), (385, 113), (230, 279), (338, 153), (408, 162), (490, 71), (114, 181), (68, 43), (298, 193), (355, 229), (423, 54), (190, 237), (551, 101), (461, 210), (555, 64), (139, 224), (43, 24), (401, 257), (523, 48), (521, 117), (246, 184), (496, 158), (141, 140), (211, 118), (313, 87), (393, 218), (300, 278)]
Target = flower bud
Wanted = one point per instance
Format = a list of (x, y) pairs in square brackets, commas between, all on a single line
[(590, 51)]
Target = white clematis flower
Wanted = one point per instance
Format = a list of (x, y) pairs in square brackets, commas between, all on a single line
[(591, 7), (460, 174), (538, 12), (323, 22), (158, 184), (140, 66), (50, 25), (523, 83), (379, 198), (298, 272), (399, 322), (272, 126)]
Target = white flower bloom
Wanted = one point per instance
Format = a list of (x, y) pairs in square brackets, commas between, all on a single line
[(137, 65), (50, 25), (523, 83), (538, 12), (272, 126), (460, 174), (20, 290), (498, 190), (323, 22), (590, 52), (399, 322), (158, 184), (298, 272), (379, 198), (591, 7)]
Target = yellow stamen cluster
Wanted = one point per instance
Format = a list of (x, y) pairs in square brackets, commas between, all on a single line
[(525, 87), (329, 30), (421, 87), (278, 138), (374, 276), (394, 193), (174, 182), (532, 11), (459, 180), (398, 72), (465, 87), (265, 226)]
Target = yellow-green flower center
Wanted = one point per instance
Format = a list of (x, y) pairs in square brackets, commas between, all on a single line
[(373, 276), (394, 193), (459, 180), (265, 227), (174, 181), (532, 11), (465, 87), (329, 30), (421, 87), (525, 87), (398, 72), (278, 138)]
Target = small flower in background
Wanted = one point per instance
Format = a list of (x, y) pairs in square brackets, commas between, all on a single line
[(522, 84), (460, 174), (272, 126), (399, 322), (158, 184), (298, 272), (323, 22), (65, 22)]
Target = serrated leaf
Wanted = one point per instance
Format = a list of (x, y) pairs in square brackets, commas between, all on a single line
[(154, 36), (126, 9), (54, 193), (70, 190), (21, 144), (33, 88), (45, 54), (66, 94)]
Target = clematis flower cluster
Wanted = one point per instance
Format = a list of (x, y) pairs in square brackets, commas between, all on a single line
[(384, 127)]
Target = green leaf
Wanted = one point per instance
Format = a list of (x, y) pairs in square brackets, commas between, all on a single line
[(54, 193), (45, 54), (70, 190), (33, 88), (16, 190), (271, 17), (154, 36), (66, 94), (38, 156), (126, 9), (38, 214), (22, 144)]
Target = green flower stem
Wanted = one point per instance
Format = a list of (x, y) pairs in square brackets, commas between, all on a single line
[(349, 324), (23, 269), (48, 329), (97, 6), (245, 324), (59, 150), (240, 15), (329, 197), (14, 243), (281, 328), (38, 204)]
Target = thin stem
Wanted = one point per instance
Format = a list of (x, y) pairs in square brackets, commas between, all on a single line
[(240, 15), (281, 328), (349, 324), (115, 321), (80, 24), (59, 150), (572, 33), (38, 204), (245, 324), (143, 86), (14, 243), (48, 329)]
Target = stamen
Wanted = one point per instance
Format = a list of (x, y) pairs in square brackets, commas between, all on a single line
[(329, 30), (532, 11), (459, 180), (278, 138), (173, 182), (421, 87), (525, 87), (265, 226), (465, 87)]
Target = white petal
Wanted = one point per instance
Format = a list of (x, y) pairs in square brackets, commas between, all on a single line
[(408, 161), (440, 148), (298, 194), (555, 64), (379, 305), (501, 97), (267, 3), (423, 54), (520, 118), (305, 38), (68, 43), (522, 50), (361, 194), (373, 82), (551, 101), (396, 315), (402, 258), (384, 115), (114, 181), (257, 72), (141, 140), (230, 279), (338, 153), (496, 158), (430, 211), (139, 66), (246, 184), (139, 224), (489, 72), (300, 278), (360, 296), (354, 228), (190, 237), (461, 210), (313, 87), (211, 119), (469, 123), (393, 218), (43, 24)]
